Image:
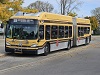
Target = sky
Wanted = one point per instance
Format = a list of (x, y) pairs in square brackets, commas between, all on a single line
[(84, 10)]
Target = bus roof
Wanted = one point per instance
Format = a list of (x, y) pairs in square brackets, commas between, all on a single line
[(82, 21), (58, 17), (42, 16)]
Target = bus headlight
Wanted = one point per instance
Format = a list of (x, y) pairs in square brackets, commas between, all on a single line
[(7, 44), (34, 45)]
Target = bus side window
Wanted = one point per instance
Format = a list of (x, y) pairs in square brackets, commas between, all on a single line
[(70, 31), (66, 31), (61, 31), (54, 32), (79, 31), (41, 31), (88, 30), (82, 31), (85, 30), (47, 32)]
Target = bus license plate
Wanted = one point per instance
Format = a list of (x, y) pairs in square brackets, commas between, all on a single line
[(18, 51)]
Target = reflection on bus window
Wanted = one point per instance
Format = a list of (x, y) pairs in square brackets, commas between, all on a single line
[(70, 31), (41, 31), (47, 32), (61, 31), (54, 30), (86, 30), (66, 32), (82, 31), (79, 31)]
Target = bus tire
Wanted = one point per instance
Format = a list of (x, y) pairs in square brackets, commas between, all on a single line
[(69, 45), (46, 50), (86, 41), (89, 38)]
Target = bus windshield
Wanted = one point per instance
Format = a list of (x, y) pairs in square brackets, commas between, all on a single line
[(22, 31)]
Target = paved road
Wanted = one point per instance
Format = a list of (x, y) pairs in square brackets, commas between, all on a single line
[(2, 37), (83, 60), (2, 44)]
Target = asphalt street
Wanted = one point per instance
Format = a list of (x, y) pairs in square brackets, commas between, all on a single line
[(2, 44), (82, 60)]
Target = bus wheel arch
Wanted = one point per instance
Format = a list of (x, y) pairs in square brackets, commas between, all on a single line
[(46, 49), (86, 41), (69, 45)]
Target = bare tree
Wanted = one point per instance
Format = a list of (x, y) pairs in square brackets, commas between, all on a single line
[(67, 6), (41, 6), (96, 13)]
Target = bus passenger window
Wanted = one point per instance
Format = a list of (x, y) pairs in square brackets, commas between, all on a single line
[(82, 31), (47, 32), (54, 30), (70, 31), (88, 29), (85, 30), (61, 31), (66, 31), (41, 31), (79, 31)]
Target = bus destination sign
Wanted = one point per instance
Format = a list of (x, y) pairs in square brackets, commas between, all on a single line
[(23, 20)]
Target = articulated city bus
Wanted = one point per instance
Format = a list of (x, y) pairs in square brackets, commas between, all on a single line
[(44, 32)]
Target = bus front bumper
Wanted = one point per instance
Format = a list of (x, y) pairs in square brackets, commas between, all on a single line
[(21, 50)]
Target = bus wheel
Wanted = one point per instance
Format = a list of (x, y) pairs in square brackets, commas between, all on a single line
[(69, 46), (86, 41), (46, 50)]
